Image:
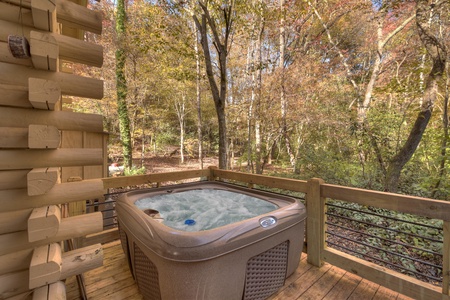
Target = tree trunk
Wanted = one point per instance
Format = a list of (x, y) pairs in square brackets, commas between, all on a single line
[(363, 104), (258, 93), (144, 137), (221, 46), (199, 103), (181, 113), (182, 141), (258, 89), (363, 107), (436, 49), (121, 86), (250, 62), (283, 100), (446, 136)]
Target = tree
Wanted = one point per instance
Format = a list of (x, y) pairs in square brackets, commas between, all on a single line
[(198, 100), (121, 86), (221, 28), (283, 100), (445, 138), (363, 102), (298, 83), (437, 50), (254, 69), (180, 108)]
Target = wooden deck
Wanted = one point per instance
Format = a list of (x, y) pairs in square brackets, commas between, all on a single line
[(114, 281)]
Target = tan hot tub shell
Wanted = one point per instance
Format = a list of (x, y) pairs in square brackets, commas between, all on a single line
[(238, 261)]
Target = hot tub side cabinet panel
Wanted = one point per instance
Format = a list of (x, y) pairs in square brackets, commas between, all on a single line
[(243, 274), (38, 151), (254, 265)]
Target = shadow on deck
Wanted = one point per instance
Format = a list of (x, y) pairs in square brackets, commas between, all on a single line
[(114, 281)]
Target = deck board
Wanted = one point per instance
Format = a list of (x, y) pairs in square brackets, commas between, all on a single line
[(114, 281), (345, 287), (324, 285)]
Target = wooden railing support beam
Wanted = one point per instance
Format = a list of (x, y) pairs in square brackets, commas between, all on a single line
[(390, 279), (256, 179), (315, 222), (125, 181), (211, 176)]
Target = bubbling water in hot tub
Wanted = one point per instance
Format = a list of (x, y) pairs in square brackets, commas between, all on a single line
[(203, 209)]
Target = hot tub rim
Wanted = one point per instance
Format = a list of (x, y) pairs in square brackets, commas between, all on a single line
[(169, 240)]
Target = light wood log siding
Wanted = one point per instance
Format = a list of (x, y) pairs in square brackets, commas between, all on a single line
[(71, 85), (72, 15), (316, 194), (31, 146)]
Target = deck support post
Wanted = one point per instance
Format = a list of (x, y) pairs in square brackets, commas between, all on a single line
[(315, 222), (211, 176)]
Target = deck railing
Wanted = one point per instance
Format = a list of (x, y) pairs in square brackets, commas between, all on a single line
[(317, 194), (407, 285)]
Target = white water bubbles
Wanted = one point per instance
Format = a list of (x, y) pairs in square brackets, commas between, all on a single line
[(203, 209)]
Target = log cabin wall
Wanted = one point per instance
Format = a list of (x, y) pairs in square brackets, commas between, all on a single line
[(45, 150)]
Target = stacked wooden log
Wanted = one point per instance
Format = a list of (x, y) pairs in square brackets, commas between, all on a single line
[(42, 147)]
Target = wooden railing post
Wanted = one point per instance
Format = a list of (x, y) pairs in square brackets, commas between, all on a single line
[(211, 176), (315, 222), (446, 259)]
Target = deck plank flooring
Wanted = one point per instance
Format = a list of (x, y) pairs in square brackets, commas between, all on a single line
[(114, 281)]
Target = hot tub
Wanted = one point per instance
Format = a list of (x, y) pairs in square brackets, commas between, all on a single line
[(186, 259)]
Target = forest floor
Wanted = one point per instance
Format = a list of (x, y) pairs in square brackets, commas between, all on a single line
[(159, 164)]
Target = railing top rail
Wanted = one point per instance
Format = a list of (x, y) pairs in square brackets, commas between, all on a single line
[(123, 181), (435, 209), (269, 181)]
